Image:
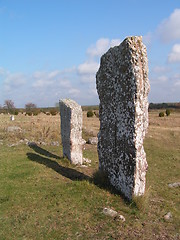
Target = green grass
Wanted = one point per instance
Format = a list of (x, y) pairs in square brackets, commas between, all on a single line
[(42, 196)]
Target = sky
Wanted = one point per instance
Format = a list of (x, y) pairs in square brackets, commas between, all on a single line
[(51, 49)]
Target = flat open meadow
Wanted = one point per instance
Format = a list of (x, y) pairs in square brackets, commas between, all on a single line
[(43, 196)]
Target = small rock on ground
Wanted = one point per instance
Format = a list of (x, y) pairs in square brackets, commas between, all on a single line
[(110, 212), (14, 129), (168, 216), (113, 214), (55, 143), (86, 160), (93, 141), (174, 185)]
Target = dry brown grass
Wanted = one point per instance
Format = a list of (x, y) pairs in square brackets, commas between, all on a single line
[(165, 129), (46, 128), (34, 128)]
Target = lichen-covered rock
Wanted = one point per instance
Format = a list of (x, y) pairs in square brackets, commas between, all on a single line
[(123, 86), (93, 140), (71, 130)]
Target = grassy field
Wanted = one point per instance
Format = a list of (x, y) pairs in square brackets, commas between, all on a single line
[(42, 196)]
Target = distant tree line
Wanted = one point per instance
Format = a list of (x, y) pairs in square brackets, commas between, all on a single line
[(29, 109), (32, 109), (164, 105)]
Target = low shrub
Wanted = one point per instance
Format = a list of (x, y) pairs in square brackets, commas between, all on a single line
[(53, 112), (16, 112), (168, 112), (161, 114), (29, 113), (90, 113), (35, 112)]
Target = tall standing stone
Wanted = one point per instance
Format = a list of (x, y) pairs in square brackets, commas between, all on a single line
[(71, 130), (123, 86)]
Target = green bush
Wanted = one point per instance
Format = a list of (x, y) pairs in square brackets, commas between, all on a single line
[(29, 113), (16, 112), (43, 111), (53, 112), (161, 114), (90, 113), (168, 112), (35, 112)]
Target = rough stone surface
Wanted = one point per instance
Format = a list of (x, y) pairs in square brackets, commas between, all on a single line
[(123, 86), (71, 130)]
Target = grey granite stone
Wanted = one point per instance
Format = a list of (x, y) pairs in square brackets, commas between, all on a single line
[(123, 86), (71, 130)]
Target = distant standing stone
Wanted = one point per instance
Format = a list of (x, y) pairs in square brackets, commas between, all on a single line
[(123, 86), (12, 118), (71, 130)]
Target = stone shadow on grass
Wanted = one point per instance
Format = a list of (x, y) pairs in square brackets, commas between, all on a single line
[(99, 178), (70, 173), (42, 151)]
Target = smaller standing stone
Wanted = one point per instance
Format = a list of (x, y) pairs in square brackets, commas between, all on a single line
[(71, 130), (12, 118)]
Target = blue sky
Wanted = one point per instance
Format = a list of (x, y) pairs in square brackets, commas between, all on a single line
[(50, 49)]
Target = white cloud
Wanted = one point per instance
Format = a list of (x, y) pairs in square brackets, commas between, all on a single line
[(42, 83), (115, 42), (74, 92), (88, 78), (14, 80), (147, 39), (159, 79), (101, 46), (174, 56), (169, 29), (176, 79), (177, 84), (88, 68), (162, 78), (38, 74), (53, 74), (92, 90), (64, 83), (161, 69), (2, 71)]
